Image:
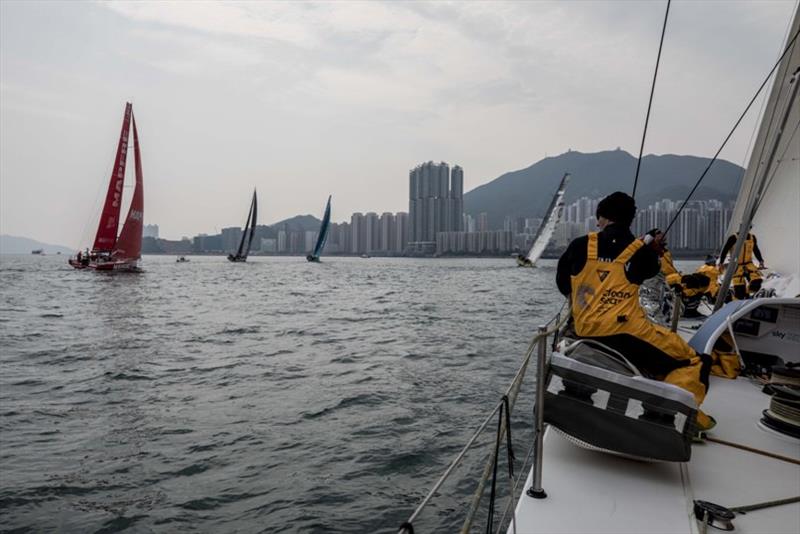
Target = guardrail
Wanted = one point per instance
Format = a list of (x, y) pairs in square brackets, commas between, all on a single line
[(504, 407)]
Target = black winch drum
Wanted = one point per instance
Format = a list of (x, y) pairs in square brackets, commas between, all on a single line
[(593, 398)]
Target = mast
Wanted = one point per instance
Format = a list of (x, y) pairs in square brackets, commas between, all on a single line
[(551, 218), (129, 244), (106, 237), (323, 230)]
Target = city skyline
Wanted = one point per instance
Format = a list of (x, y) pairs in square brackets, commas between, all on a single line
[(700, 226), (303, 100)]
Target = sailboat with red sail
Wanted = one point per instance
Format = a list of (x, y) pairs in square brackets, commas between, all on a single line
[(112, 251)]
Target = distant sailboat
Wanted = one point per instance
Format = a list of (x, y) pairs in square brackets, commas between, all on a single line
[(323, 234), (547, 228), (247, 235), (112, 252)]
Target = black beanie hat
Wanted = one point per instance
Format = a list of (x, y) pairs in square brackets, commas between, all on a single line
[(617, 207)]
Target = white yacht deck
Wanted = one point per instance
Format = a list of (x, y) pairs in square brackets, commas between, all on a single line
[(596, 492)]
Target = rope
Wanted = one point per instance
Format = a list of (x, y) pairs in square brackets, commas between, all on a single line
[(497, 440), (504, 410), (735, 126), (523, 471), (762, 505), (650, 102), (753, 450)]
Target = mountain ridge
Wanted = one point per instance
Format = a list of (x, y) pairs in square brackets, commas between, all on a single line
[(11, 244), (527, 192)]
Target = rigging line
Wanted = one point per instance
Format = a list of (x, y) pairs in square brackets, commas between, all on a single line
[(650, 102), (730, 134)]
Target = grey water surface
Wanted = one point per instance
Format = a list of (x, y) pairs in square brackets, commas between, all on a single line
[(267, 396)]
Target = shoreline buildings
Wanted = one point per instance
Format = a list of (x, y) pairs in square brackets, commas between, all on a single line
[(436, 225)]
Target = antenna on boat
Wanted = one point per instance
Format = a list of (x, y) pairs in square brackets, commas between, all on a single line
[(650, 102)]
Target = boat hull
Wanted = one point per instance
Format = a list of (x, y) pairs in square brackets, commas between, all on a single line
[(108, 266), (236, 259), (312, 259), (523, 262)]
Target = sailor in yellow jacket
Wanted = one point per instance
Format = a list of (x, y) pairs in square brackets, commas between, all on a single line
[(671, 274), (601, 273), (691, 287), (747, 278), (709, 269)]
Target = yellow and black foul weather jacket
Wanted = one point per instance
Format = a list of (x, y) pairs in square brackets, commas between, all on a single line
[(611, 242), (749, 249), (672, 275), (605, 302)]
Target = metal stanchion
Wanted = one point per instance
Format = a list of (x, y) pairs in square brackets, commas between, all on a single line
[(536, 491), (677, 309)]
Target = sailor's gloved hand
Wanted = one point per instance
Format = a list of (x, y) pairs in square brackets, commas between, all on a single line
[(655, 242), (654, 232)]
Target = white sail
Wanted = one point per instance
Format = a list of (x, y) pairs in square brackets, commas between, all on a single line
[(774, 192), (551, 219)]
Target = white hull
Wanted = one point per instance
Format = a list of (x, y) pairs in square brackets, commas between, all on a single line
[(595, 492)]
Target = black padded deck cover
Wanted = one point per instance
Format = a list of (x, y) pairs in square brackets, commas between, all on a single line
[(594, 398)]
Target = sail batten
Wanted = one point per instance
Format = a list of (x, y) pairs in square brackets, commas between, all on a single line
[(106, 238), (548, 226)]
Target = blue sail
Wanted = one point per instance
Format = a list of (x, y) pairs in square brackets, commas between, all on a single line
[(323, 231)]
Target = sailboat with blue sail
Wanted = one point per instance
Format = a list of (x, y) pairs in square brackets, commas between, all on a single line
[(323, 234)]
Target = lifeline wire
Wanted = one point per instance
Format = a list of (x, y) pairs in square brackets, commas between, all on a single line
[(650, 103), (752, 100)]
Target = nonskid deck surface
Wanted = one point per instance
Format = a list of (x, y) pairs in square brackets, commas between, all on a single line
[(594, 492)]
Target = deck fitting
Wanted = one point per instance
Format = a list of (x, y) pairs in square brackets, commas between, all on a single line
[(536, 494)]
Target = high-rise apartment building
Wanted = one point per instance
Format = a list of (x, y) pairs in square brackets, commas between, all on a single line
[(372, 228), (435, 203), (230, 238), (150, 230), (387, 223), (483, 222), (400, 237), (358, 240)]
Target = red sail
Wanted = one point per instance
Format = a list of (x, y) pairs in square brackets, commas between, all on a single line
[(106, 236), (129, 244)]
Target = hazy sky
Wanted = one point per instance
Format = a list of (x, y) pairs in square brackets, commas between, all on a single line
[(303, 100)]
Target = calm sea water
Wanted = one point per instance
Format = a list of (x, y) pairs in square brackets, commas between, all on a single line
[(275, 395)]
